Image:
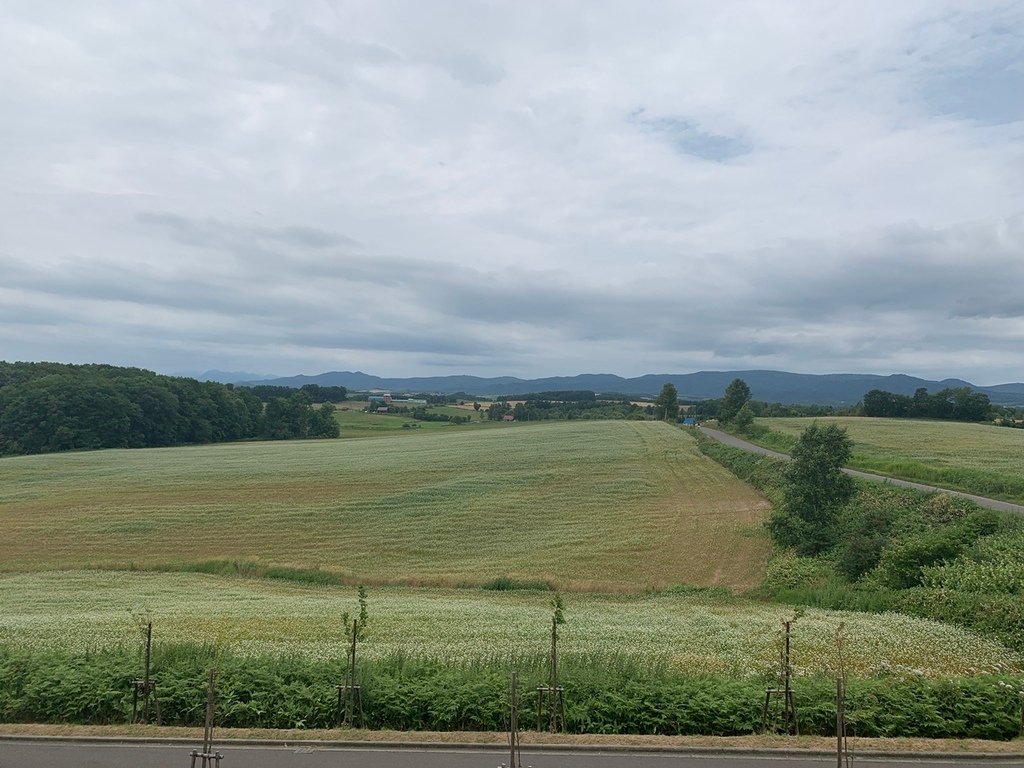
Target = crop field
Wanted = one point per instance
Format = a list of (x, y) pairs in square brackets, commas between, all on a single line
[(355, 422), (696, 634), (977, 458), (615, 505)]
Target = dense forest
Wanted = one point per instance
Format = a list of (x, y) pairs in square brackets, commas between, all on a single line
[(47, 407)]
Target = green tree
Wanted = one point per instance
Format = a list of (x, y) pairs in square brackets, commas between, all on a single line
[(667, 402), (815, 490), (736, 396), (744, 418)]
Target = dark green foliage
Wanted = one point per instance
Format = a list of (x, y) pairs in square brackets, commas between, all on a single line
[(667, 403), (736, 396), (544, 410), (507, 584), (315, 392), (249, 569), (953, 404), (743, 421), (888, 538), (815, 490), (48, 407), (900, 565), (408, 694), (295, 417)]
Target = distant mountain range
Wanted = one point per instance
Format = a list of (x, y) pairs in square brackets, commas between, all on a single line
[(772, 386), (227, 377)]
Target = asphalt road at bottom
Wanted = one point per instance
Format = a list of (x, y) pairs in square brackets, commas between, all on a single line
[(88, 755)]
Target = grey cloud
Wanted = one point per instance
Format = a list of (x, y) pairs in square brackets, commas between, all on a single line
[(214, 233)]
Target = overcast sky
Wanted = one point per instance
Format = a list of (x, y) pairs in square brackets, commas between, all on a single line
[(524, 188)]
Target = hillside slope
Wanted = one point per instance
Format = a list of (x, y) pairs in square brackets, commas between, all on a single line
[(617, 505)]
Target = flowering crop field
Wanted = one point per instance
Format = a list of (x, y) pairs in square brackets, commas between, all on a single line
[(612, 505), (703, 635), (977, 458)]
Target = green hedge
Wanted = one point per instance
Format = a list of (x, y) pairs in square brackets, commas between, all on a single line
[(403, 694)]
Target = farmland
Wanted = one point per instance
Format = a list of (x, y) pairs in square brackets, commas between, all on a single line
[(355, 422), (696, 634), (976, 458), (614, 506)]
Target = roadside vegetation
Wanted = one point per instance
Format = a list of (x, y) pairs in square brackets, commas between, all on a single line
[(893, 549), (676, 662), (976, 458)]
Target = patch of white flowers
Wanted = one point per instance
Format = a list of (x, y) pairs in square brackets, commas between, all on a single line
[(93, 609)]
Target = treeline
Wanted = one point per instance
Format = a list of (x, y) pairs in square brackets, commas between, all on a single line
[(543, 410), (574, 395), (315, 393), (46, 407), (424, 414), (952, 404)]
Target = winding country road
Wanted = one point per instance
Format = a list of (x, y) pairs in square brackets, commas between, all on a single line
[(981, 501)]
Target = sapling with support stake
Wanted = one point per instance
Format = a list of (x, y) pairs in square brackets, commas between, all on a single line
[(551, 697), (784, 695), (842, 747), (515, 759), (144, 688), (207, 756), (350, 693)]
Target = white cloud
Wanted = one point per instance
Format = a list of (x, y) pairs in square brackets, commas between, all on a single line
[(520, 188)]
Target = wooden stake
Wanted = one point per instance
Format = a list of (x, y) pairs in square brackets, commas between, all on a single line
[(513, 723), (840, 722)]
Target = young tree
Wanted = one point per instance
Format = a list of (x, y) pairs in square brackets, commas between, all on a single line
[(744, 418), (667, 402), (815, 490), (736, 396)]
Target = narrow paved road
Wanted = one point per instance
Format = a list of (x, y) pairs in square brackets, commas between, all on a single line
[(127, 755), (981, 501)]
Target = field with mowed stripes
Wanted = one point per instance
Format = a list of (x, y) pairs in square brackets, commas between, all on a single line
[(615, 505)]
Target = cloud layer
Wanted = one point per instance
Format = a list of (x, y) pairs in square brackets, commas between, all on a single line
[(520, 188)]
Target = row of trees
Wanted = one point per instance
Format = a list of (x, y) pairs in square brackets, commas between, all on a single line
[(315, 392), (954, 404), (542, 410), (47, 407)]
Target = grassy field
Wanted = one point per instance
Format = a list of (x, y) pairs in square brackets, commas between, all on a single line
[(977, 458), (702, 635), (355, 422), (586, 505)]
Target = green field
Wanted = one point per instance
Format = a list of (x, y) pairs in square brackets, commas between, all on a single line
[(355, 422), (976, 458), (615, 505), (695, 634)]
